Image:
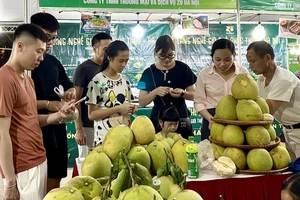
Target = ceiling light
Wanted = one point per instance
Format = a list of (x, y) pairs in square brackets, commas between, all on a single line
[(259, 32), (138, 31), (178, 32)]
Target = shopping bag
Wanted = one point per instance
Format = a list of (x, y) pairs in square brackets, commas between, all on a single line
[(83, 151)]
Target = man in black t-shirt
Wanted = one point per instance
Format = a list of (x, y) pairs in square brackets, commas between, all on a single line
[(84, 73), (49, 74)]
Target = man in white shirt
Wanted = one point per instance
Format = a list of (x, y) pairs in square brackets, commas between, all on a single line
[(281, 89)]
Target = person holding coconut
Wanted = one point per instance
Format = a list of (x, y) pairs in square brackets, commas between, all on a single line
[(215, 81), (168, 82)]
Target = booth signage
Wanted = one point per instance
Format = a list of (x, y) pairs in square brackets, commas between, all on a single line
[(142, 4), (270, 5)]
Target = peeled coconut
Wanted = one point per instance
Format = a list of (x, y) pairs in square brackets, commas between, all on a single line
[(139, 154), (179, 154), (244, 87), (226, 108), (185, 195), (259, 160), (217, 150), (113, 144), (271, 131), (96, 164), (143, 130), (167, 186), (64, 193), (157, 154), (257, 135), (87, 185), (261, 102), (248, 110), (224, 166), (141, 192), (233, 134), (238, 156), (281, 157), (216, 131)]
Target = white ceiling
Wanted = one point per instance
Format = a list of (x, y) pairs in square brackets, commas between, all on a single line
[(12, 11)]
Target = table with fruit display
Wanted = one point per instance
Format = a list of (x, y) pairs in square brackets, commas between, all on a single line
[(247, 152), (132, 164)]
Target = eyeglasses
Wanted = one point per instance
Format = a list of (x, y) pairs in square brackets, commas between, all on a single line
[(170, 57), (53, 38)]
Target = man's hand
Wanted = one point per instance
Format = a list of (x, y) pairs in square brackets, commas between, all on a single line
[(11, 192), (69, 94), (80, 137), (55, 106)]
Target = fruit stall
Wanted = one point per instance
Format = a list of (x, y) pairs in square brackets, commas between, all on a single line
[(245, 158)]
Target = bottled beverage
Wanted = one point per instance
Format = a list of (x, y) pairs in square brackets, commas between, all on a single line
[(192, 159)]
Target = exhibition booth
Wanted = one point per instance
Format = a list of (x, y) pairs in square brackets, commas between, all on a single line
[(236, 20)]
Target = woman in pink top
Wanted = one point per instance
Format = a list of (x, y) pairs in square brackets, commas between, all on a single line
[(215, 81)]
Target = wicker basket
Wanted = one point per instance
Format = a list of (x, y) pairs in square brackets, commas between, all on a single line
[(239, 171), (238, 122), (272, 144)]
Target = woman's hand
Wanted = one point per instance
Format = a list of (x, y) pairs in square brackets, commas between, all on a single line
[(126, 108), (210, 123), (176, 93), (135, 109), (162, 91)]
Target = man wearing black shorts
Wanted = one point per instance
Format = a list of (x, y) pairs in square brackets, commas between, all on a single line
[(49, 74)]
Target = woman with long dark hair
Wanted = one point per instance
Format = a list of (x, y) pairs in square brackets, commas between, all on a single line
[(109, 94)]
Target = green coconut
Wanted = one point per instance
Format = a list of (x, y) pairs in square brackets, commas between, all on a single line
[(138, 154), (96, 164), (64, 193), (185, 195), (87, 185)]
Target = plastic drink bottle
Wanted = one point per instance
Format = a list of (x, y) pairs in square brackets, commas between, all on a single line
[(192, 159)]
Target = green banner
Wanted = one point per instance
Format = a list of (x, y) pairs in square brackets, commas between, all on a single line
[(143, 4), (72, 145), (195, 50), (271, 5), (73, 48)]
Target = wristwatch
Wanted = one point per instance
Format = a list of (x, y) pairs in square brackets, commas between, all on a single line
[(182, 93)]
